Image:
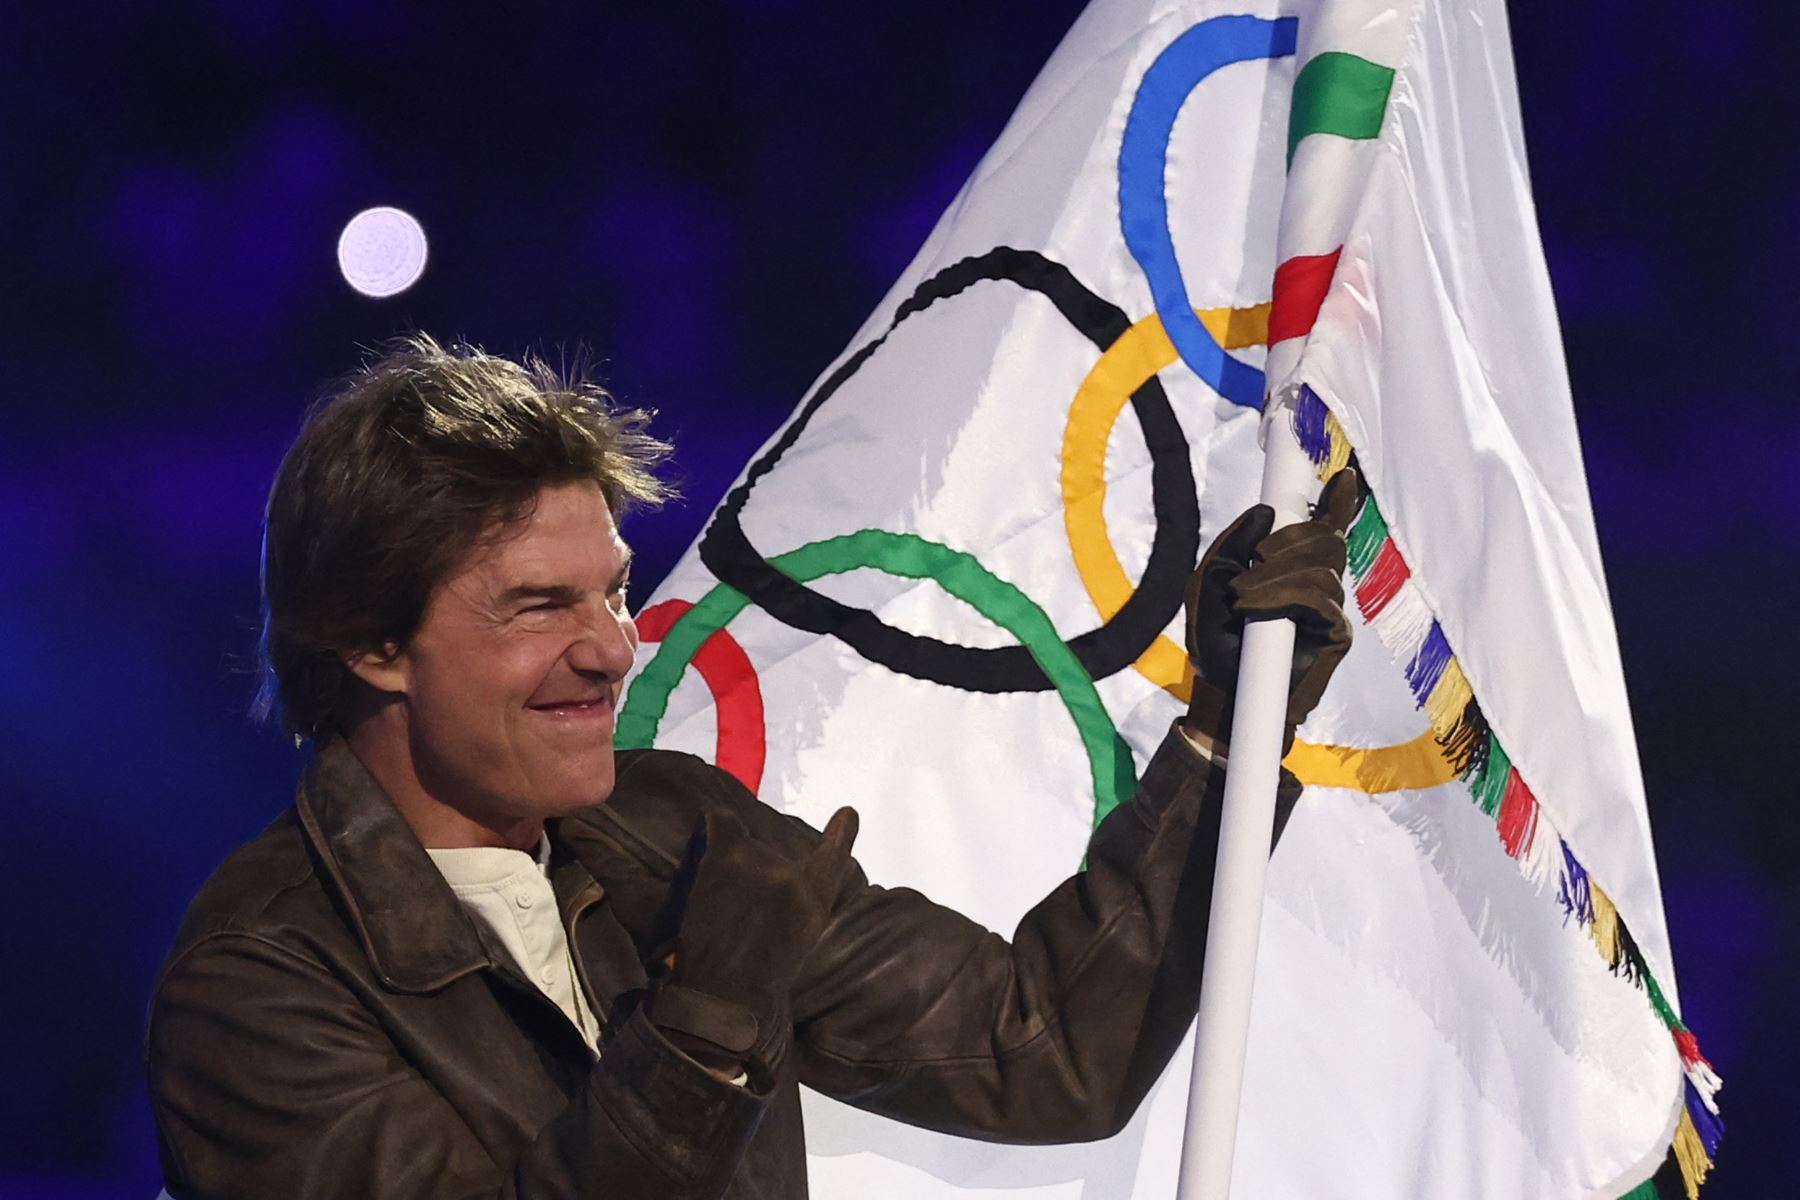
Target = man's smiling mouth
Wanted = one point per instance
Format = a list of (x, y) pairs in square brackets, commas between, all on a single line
[(590, 708)]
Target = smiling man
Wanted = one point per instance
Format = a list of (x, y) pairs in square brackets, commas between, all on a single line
[(482, 956)]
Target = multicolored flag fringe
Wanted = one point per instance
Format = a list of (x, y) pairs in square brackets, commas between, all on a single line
[(1395, 608), (1343, 94), (948, 591)]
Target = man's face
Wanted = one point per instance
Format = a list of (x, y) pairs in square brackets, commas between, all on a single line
[(513, 676)]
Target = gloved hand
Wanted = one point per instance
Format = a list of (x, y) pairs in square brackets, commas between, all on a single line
[(1250, 574), (747, 915)]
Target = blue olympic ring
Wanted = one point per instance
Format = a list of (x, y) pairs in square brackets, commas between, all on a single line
[(1143, 205)]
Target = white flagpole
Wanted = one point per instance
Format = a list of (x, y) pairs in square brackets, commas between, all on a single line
[(1246, 825)]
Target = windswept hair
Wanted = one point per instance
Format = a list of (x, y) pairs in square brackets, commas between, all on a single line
[(396, 474)]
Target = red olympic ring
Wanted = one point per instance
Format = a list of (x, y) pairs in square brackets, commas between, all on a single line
[(737, 695)]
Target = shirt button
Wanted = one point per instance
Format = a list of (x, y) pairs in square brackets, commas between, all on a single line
[(548, 976), (523, 899)]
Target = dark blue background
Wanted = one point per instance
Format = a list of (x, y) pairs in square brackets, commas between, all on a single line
[(714, 196)]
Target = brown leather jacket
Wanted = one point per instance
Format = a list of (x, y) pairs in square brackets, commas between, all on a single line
[(330, 1023)]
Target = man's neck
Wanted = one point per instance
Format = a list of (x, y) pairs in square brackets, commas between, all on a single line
[(441, 827), (380, 743)]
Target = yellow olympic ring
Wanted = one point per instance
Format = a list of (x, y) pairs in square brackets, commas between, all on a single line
[(1122, 369), (1125, 366), (1415, 765)]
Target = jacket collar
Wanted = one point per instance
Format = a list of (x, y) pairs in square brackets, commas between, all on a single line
[(412, 927)]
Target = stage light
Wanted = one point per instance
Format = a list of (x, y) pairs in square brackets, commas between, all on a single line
[(382, 251)]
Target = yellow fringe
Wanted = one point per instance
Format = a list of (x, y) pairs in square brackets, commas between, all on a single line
[(1340, 447), (1605, 929), (1691, 1155), (1445, 705)]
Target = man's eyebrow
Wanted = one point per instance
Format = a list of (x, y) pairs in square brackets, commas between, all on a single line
[(561, 593)]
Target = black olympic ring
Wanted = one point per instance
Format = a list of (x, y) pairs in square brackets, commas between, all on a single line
[(1116, 644)]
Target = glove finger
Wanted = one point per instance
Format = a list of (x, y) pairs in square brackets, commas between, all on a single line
[(1339, 501), (1308, 597), (1216, 637), (1304, 543), (636, 895), (1314, 663), (839, 834), (1213, 630), (1233, 549), (1208, 710), (1329, 637), (829, 862), (1190, 604), (1300, 579), (724, 832), (695, 851), (665, 926), (731, 850), (1190, 597)]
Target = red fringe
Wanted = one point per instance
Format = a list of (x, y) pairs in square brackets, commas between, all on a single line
[(1383, 581), (1689, 1047), (1518, 817)]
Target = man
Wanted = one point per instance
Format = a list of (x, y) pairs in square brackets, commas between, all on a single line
[(483, 956)]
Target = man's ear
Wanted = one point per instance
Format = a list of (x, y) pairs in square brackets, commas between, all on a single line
[(385, 669)]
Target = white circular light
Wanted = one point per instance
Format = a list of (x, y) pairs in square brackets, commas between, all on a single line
[(382, 251)]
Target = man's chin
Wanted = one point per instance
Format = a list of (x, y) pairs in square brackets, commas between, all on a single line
[(581, 789)]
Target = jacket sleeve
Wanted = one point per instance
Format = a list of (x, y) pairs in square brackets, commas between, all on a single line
[(338, 1112), (910, 1009)]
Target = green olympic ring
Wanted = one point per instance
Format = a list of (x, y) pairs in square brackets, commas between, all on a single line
[(911, 557)]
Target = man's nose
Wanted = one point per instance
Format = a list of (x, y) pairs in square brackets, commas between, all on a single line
[(607, 645)]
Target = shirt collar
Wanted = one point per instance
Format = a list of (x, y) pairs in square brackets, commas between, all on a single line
[(490, 866)]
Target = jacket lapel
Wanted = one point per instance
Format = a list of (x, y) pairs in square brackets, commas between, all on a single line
[(417, 937)]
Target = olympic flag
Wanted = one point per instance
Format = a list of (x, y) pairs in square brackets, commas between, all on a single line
[(956, 574)]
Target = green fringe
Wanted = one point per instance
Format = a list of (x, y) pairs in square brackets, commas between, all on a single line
[(1489, 784), (1364, 540), (1660, 1002)]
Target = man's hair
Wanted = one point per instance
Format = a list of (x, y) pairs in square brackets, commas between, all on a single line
[(396, 474)]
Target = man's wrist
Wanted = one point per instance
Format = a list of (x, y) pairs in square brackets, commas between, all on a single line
[(716, 1034), (726, 1068)]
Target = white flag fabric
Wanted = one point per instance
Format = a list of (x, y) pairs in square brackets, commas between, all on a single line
[(948, 592)]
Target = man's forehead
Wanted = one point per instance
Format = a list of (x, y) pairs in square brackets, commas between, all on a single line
[(556, 559), (563, 539)]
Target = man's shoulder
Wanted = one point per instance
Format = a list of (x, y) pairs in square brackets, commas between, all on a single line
[(263, 889)]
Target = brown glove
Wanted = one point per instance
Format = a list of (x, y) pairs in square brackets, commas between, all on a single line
[(747, 916), (1250, 574)]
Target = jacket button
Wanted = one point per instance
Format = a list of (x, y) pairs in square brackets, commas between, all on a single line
[(523, 899)]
